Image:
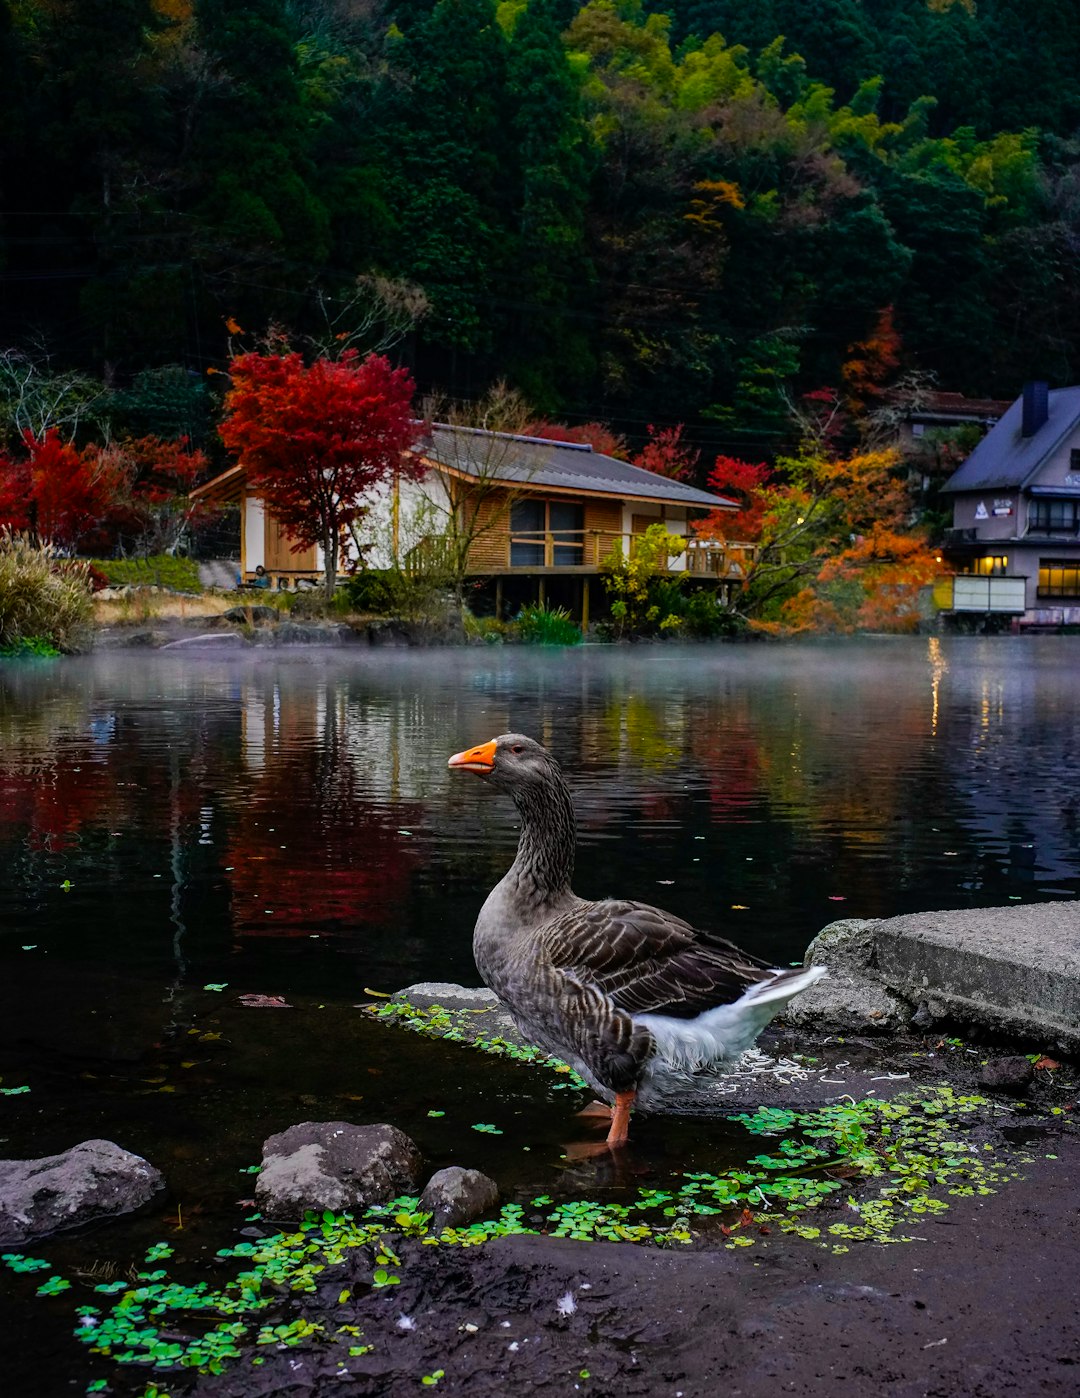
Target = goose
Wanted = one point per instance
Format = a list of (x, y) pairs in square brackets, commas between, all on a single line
[(636, 1000)]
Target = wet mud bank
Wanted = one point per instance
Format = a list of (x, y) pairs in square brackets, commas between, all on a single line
[(980, 1306)]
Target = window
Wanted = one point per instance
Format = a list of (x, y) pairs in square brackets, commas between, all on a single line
[(1053, 516), (992, 565), (1059, 577), (547, 533), (1074, 459)]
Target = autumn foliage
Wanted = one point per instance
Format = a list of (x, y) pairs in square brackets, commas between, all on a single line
[(315, 440), (835, 550), (92, 499)]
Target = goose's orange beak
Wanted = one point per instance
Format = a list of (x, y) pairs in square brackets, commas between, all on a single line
[(478, 759)]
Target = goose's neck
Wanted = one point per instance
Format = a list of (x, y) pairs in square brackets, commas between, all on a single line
[(545, 856)]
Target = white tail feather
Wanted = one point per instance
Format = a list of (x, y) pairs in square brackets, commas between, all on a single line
[(723, 1033)]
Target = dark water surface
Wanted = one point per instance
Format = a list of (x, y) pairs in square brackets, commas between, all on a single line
[(286, 825)]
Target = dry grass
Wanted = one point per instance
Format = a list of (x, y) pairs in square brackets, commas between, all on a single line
[(142, 604)]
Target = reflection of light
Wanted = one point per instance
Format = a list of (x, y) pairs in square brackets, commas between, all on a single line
[(939, 666)]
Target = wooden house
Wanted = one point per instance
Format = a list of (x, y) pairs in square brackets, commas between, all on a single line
[(535, 518)]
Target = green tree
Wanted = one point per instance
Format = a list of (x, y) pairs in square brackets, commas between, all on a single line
[(553, 270)]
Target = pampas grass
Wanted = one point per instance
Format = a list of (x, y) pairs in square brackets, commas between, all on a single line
[(43, 598)]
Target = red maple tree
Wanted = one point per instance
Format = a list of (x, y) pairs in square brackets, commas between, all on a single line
[(315, 439), (666, 453)]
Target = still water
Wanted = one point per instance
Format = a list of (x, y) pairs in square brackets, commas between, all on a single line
[(285, 825)]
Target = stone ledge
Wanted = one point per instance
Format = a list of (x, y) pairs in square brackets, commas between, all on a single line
[(1012, 971)]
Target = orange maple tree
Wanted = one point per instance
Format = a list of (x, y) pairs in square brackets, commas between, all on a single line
[(834, 547)]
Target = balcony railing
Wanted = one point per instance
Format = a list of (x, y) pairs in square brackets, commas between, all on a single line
[(716, 559), (555, 548)]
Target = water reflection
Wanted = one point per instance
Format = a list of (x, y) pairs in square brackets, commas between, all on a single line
[(245, 802)]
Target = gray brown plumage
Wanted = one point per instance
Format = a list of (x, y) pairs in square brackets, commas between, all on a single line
[(640, 1003)]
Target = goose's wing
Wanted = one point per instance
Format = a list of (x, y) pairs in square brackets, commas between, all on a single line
[(647, 961)]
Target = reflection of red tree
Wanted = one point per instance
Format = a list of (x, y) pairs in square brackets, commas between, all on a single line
[(730, 753), (340, 872), (310, 850)]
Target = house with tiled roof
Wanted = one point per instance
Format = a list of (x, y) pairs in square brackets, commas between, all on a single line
[(1016, 512), (536, 518)]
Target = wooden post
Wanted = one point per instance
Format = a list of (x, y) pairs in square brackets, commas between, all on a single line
[(584, 605), (498, 598), (540, 591)]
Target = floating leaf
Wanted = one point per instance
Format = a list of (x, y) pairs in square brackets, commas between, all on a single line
[(216, 985)]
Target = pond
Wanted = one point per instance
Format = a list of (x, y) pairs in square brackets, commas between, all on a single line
[(179, 832)]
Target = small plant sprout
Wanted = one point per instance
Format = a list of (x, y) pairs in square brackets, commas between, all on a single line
[(430, 1380)]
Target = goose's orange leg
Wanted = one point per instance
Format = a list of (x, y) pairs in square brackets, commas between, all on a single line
[(620, 1118)]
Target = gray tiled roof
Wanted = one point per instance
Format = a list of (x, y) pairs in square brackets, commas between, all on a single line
[(1004, 458), (558, 466)]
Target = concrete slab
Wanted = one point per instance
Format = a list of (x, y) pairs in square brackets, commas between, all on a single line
[(1013, 970)]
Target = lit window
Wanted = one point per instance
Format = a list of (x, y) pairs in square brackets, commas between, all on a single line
[(991, 565), (1059, 578)]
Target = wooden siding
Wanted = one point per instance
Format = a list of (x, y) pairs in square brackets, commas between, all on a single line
[(605, 516), (490, 551)]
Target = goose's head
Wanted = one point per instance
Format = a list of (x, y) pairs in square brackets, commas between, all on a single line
[(510, 762)]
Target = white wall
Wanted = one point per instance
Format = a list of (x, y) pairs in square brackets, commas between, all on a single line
[(422, 510), (676, 525)]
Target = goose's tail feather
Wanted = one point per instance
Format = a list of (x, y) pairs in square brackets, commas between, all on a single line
[(721, 1034)]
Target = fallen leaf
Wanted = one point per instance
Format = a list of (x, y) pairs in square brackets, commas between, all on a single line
[(1048, 1064), (740, 907), (265, 1002)]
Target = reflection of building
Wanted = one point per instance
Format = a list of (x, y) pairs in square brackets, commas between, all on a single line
[(1016, 512), (524, 508)]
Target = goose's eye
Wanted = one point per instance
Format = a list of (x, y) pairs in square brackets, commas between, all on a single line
[(517, 748)]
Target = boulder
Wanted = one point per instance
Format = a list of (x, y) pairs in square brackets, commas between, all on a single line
[(335, 1165), (455, 1197), (96, 1179)]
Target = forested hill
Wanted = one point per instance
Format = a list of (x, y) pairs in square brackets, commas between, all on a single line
[(640, 217)]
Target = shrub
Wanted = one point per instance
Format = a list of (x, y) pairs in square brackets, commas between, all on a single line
[(390, 592), (547, 626), (44, 601)]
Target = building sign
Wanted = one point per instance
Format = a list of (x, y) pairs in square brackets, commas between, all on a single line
[(1003, 507), (980, 511)]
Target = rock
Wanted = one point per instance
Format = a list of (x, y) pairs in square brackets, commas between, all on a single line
[(208, 640), (851, 997), (1007, 1074), (496, 1022), (335, 1165), (307, 633), (93, 1180), (455, 1197), (256, 613), (448, 994), (922, 1018)]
